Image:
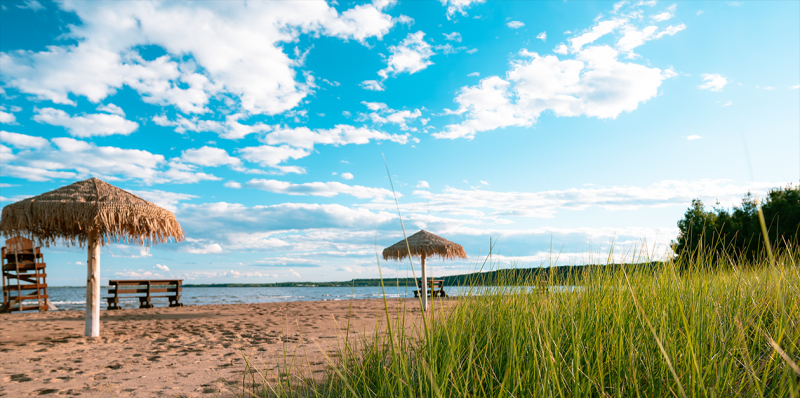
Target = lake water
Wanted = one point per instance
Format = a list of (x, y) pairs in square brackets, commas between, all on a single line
[(75, 298)]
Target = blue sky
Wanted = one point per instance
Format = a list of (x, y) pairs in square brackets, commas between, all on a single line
[(263, 125)]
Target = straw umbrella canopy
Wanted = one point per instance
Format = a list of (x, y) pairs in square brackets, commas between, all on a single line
[(424, 244), (90, 213)]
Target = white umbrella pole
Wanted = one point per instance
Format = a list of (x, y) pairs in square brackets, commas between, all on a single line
[(424, 285), (92, 328)]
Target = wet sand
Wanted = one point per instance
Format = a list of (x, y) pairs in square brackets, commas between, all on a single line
[(177, 352)]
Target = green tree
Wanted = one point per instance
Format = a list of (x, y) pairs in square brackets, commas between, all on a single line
[(737, 232)]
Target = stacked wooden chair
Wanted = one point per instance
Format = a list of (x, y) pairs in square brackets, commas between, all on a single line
[(24, 277)]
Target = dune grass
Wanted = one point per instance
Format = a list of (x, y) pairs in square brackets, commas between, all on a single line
[(694, 326)]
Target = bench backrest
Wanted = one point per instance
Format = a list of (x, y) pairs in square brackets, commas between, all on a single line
[(148, 286), (436, 284)]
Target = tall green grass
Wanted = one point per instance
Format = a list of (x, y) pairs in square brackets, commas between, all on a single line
[(694, 326)]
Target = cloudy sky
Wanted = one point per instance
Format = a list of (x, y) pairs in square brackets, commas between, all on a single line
[(548, 127)]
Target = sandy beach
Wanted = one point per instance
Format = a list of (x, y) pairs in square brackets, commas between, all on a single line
[(191, 351)]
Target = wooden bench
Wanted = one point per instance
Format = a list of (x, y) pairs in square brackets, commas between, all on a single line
[(151, 288), (435, 288)]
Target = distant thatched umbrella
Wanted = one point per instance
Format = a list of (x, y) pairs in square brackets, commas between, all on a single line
[(92, 213), (424, 244)]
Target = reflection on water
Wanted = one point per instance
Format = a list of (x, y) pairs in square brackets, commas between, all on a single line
[(75, 298)]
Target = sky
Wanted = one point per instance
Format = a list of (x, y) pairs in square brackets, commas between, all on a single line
[(553, 129)]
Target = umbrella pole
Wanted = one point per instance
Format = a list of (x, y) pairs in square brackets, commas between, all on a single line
[(92, 328), (424, 285)]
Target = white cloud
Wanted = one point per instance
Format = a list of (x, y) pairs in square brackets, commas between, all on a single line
[(474, 74), (138, 274), (23, 140), (347, 176), (162, 267), (233, 184), (455, 36), (7, 118), (794, 87), (734, 3), (545, 204), (601, 29), (713, 82), (348, 269), (423, 184), (112, 109), (374, 106), (693, 137), (472, 51), (325, 189), (410, 56), (239, 54), (32, 5), (303, 137), (69, 158), (230, 128), (699, 12), (213, 248), (484, 182), (515, 24), (561, 49), (86, 125), (542, 36), (633, 37), (273, 156), (372, 85), (595, 84), (459, 6), (167, 200), (725, 103), (209, 157)]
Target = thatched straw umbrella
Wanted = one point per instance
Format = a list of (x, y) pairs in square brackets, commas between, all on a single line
[(424, 244), (92, 213)]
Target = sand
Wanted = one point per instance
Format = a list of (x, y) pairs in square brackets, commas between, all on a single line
[(192, 351)]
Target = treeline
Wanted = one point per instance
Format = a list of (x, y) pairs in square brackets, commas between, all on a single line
[(737, 233), (560, 275)]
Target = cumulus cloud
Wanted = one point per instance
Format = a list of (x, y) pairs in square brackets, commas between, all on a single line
[(7, 118), (23, 140), (382, 114), (713, 82), (326, 189), (209, 156), (87, 125), (303, 137), (423, 184), (515, 24), (239, 54), (162, 267), (459, 6), (167, 200), (542, 36), (372, 85), (474, 74), (347, 176), (199, 248), (68, 158), (410, 56), (693, 137), (592, 82), (233, 184), (455, 36), (230, 128)]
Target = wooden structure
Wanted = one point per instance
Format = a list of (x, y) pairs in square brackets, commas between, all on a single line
[(90, 213), (162, 288), (424, 244), (24, 276), (435, 288)]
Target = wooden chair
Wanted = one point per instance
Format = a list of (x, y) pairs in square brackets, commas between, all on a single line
[(23, 272)]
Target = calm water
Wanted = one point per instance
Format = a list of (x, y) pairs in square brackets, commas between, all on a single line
[(75, 298)]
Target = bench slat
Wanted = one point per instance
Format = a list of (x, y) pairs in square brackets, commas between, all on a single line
[(130, 291)]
